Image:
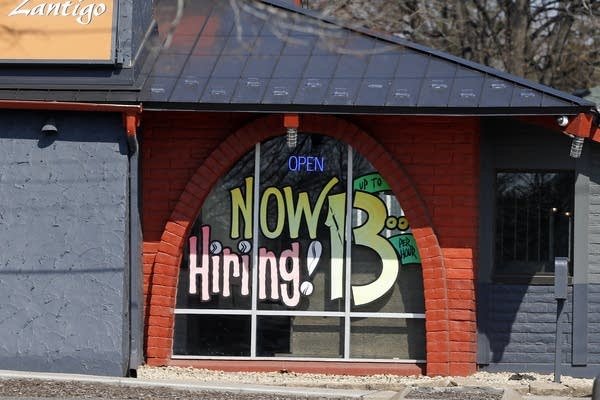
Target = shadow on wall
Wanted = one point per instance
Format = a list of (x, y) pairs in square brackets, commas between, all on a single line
[(48, 128), (518, 322)]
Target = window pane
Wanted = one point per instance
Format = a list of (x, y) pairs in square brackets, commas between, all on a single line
[(215, 268), (534, 217), (386, 266), (388, 338), (320, 337), (295, 248), (212, 335)]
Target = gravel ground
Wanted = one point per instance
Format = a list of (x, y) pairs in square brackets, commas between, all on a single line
[(519, 382)]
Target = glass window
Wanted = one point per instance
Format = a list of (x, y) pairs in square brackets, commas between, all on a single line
[(304, 253), (534, 221)]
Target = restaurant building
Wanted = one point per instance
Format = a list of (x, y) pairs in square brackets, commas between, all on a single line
[(291, 194)]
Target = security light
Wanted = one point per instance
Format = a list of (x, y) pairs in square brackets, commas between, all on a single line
[(49, 127), (562, 121)]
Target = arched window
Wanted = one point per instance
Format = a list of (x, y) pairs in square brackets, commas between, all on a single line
[(301, 252)]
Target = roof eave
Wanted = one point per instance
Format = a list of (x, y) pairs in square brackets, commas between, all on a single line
[(367, 110)]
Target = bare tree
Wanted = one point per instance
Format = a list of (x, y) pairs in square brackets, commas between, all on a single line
[(554, 42)]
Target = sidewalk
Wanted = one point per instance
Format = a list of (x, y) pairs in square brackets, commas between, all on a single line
[(465, 391)]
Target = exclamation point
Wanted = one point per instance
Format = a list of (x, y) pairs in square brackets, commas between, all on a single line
[(312, 259)]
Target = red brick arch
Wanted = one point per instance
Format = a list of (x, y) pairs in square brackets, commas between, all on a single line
[(167, 261)]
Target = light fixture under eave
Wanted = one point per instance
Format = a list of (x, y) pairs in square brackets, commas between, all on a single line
[(291, 123), (562, 121), (292, 137), (49, 127), (576, 146)]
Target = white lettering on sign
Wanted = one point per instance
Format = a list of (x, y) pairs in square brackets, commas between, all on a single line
[(83, 15)]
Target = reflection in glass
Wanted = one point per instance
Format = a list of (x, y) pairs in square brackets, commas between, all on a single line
[(212, 335), (224, 290), (320, 337), (388, 338), (302, 189), (534, 219), (398, 252)]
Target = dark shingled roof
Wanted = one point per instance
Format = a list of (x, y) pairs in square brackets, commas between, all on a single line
[(222, 60)]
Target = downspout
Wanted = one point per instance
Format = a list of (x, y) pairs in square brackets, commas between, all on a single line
[(136, 276), (131, 121)]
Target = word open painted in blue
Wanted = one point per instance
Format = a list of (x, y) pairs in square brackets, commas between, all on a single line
[(306, 163)]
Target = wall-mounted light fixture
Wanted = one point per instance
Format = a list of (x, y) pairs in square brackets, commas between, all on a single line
[(576, 146), (49, 127), (291, 123), (292, 137), (579, 127), (576, 141)]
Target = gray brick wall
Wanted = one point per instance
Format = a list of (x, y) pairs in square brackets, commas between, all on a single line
[(594, 324), (594, 213), (63, 244), (522, 324)]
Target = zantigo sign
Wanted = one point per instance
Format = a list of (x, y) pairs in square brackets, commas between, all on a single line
[(57, 31)]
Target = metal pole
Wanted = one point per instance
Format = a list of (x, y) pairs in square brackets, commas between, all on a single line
[(558, 345), (561, 273)]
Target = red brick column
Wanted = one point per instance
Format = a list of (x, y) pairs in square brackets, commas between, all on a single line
[(442, 344)]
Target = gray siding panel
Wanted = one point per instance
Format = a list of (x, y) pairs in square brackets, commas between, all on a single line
[(519, 322), (521, 327), (63, 235)]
